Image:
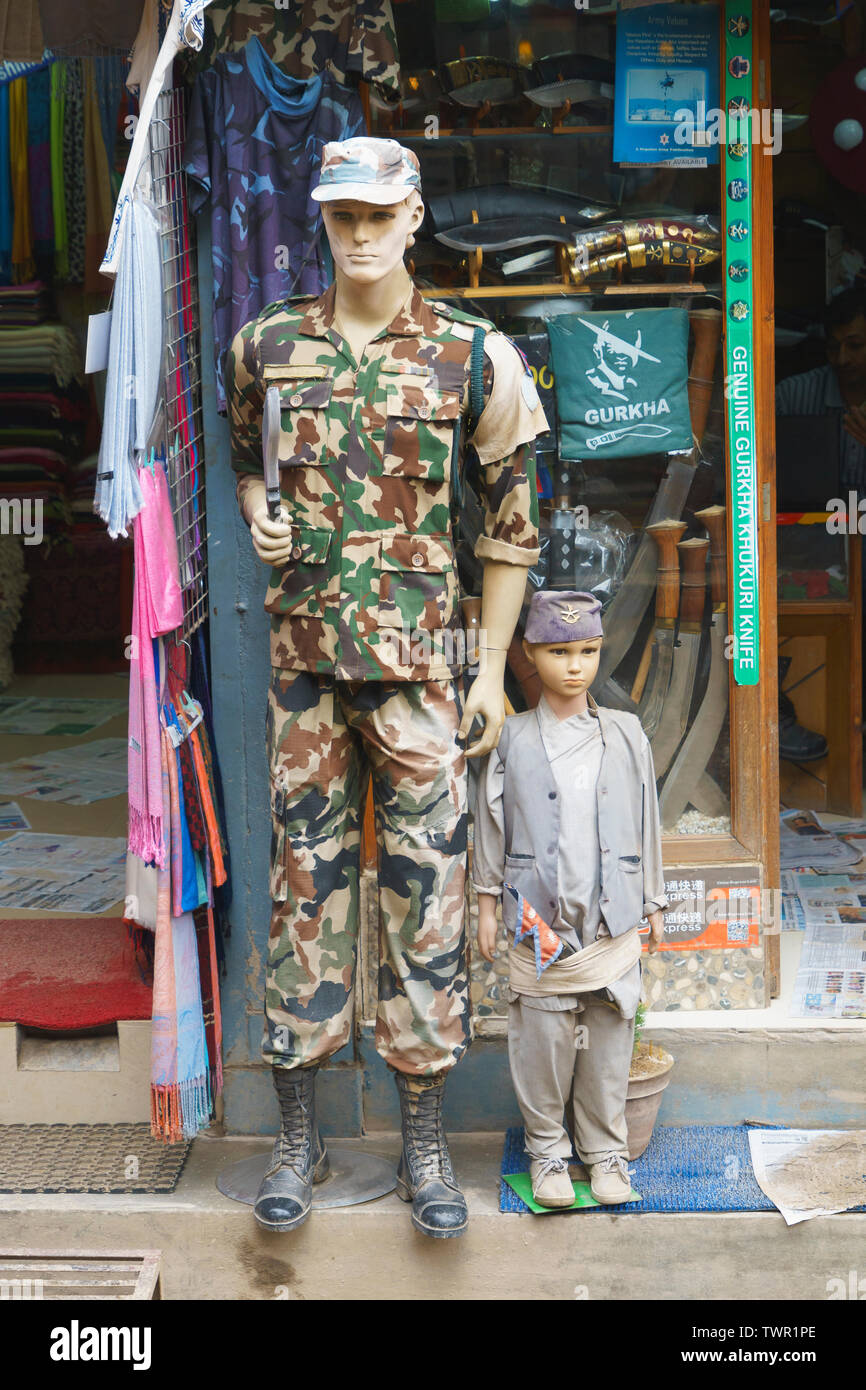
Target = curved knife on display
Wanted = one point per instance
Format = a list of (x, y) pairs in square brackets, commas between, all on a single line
[(675, 713), (624, 614), (688, 780), (666, 535), (271, 450)]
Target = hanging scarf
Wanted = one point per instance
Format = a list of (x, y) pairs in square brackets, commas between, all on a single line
[(134, 353), (73, 169), (180, 1092), (98, 200), (6, 214), (58, 197), (23, 264), (157, 609), (39, 167)]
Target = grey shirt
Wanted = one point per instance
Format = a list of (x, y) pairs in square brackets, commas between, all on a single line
[(574, 749)]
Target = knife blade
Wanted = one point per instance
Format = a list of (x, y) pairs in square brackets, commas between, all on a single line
[(666, 534), (271, 449), (688, 770), (675, 714)]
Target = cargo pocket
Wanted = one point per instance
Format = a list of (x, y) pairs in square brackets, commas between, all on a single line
[(419, 429), (302, 586), (279, 880), (305, 398), (418, 586)]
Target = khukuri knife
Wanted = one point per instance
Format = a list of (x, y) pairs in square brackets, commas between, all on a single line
[(271, 450)]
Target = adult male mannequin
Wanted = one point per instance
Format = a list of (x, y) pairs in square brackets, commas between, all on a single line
[(373, 382)]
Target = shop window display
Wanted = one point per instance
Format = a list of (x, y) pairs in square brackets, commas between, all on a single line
[(609, 275)]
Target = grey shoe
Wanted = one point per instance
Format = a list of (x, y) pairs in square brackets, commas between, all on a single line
[(300, 1159), (551, 1184), (609, 1179), (425, 1176)]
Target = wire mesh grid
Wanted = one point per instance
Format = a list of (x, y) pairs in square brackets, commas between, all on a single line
[(183, 439)]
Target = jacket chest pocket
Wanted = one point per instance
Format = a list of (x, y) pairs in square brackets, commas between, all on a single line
[(417, 586), (304, 583), (419, 429), (305, 402)]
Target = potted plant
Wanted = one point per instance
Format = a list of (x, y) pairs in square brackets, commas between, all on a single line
[(648, 1076)]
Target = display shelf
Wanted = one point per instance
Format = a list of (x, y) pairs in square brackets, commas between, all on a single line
[(551, 289), (515, 132)]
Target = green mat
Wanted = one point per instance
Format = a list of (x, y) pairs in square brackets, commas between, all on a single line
[(521, 1183)]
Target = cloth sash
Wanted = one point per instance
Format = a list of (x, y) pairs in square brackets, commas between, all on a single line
[(601, 964)]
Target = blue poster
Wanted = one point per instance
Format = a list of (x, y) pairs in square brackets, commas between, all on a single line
[(667, 85)]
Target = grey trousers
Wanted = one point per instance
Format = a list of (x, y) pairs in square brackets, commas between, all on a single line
[(549, 1068)]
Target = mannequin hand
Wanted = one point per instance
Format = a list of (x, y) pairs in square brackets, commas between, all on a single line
[(272, 540), (657, 930), (487, 698), (487, 925), (855, 422)]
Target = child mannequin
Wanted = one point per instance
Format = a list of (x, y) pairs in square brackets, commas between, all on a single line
[(568, 816)]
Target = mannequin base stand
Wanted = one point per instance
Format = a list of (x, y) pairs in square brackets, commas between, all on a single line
[(355, 1178)]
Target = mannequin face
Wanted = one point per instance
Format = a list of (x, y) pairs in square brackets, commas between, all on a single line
[(368, 241), (566, 668)]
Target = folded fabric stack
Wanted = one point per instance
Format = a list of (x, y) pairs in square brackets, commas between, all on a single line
[(43, 407), (21, 305)]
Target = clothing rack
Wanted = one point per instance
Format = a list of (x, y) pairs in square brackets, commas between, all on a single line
[(181, 432)]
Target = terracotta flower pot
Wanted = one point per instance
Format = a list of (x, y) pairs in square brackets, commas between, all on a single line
[(651, 1072)]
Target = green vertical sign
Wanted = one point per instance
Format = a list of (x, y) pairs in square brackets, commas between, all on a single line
[(739, 356)]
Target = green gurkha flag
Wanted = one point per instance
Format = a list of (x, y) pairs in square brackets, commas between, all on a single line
[(621, 382)]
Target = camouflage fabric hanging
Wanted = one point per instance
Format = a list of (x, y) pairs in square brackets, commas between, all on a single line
[(306, 38)]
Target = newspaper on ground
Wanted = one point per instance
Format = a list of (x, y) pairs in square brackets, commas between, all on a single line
[(810, 1172), (55, 717), (62, 873), (831, 977), (87, 772), (805, 843), (12, 817)]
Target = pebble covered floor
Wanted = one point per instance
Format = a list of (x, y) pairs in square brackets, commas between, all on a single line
[(722, 978)]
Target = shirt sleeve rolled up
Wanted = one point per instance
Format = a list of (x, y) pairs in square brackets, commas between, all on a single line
[(504, 437)]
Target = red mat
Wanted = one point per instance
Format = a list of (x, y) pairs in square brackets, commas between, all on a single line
[(69, 972)]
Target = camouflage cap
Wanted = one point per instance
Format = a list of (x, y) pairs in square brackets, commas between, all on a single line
[(373, 171), (557, 615)]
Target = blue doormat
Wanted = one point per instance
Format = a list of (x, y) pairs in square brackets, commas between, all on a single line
[(685, 1168)]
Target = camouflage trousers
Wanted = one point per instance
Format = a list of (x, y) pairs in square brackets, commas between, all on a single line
[(325, 737)]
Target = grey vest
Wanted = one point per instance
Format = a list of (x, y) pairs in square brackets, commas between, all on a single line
[(532, 814)]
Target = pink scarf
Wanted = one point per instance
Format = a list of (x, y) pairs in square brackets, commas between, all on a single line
[(157, 608)]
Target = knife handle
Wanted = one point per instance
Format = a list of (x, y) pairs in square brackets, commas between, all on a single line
[(714, 520), (666, 534), (693, 562)]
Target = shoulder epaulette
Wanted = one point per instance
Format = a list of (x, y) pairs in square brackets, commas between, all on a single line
[(290, 301), (448, 311)]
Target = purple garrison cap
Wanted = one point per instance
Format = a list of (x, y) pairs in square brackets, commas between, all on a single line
[(558, 615)]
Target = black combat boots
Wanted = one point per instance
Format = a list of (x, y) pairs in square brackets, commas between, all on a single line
[(300, 1159), (425, 1176), (796, 743)]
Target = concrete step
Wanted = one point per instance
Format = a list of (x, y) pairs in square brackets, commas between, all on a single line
[(102, 1079), (212, 1249)]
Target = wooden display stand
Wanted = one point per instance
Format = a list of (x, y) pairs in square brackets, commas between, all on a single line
[(824, 638)]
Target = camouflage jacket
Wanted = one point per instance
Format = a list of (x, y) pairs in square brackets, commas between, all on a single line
[(365, 456), (305, 38)]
